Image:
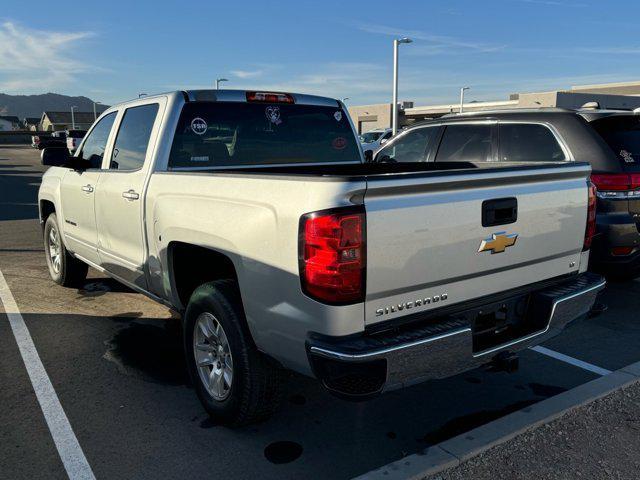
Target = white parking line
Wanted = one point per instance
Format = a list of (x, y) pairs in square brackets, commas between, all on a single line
[(73, 459), (573, 361)]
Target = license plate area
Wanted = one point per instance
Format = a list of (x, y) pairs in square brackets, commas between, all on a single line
[(503, 322)]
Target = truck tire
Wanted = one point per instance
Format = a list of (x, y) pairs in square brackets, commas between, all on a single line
[(236, 384), (64, 269)]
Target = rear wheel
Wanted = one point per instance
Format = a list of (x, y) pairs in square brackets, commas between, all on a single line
[(236, 383), (64, 269)]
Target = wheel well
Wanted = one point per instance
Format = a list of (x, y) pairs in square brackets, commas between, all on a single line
[(46, 209), (192, 265)]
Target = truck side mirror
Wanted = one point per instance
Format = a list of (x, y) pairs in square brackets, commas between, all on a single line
[(368, 156), (55, 157)]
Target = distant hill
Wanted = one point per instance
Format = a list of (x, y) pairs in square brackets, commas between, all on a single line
[(33, 105)]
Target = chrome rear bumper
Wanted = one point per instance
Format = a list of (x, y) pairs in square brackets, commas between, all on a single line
[(361, 367)]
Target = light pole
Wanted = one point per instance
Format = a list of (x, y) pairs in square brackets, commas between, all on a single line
[(218, 81), (73, 118), (95, 115), (394, 106), (140, 95), (344, 100), (462, 90)]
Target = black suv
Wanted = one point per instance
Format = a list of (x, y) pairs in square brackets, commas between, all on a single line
[(608, 139)]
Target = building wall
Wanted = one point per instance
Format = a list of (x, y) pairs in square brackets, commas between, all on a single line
[(369, 117)]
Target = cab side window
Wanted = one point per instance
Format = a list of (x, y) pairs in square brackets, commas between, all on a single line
[(528, 143), (96, 142), (465, 143), (130, 148), (410, 147)]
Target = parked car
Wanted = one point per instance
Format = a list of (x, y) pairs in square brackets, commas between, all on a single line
[(55, 139), (74, 138), (608, 140), (254, 215), (374, 139)]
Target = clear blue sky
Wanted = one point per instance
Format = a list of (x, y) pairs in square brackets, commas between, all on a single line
[(113, 49)]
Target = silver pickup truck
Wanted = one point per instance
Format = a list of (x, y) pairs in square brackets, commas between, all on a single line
[(255, 215)]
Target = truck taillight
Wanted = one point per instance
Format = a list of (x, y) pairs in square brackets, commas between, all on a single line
[(590, 230), (332, 255), (617, 185), (269, 97)]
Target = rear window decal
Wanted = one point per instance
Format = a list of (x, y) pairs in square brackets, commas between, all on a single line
[(339, 143), (198, 126), (626, 156), (338, 116), (200, 159), (273, 114)]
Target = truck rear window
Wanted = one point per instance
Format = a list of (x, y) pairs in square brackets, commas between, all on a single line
[(230, 134), (622, 134)]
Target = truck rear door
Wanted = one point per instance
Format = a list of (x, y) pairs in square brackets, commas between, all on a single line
[(120, 192), (442, 238)]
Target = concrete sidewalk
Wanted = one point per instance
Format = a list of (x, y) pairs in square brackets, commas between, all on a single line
[(600, 440)]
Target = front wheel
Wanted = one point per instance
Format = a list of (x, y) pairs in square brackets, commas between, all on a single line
[(236, 384), (64, 269)]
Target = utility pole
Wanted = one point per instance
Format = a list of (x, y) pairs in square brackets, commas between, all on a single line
[(394, 101), (73, 118), (462, 90)]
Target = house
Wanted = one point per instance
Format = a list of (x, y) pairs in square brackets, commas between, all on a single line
[(55, 121), (5, 125), (31, 123), (12, 120)]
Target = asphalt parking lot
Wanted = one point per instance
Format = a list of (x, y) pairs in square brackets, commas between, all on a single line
[(114, 359)]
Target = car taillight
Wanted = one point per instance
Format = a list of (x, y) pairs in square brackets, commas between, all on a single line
[(617, 185), (332, 254), (590, 229), (269, 97)]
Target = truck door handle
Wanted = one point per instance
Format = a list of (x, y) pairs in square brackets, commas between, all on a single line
[(500, 211), (87, 188), (131, 195)]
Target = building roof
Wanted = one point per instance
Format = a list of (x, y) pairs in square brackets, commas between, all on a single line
[(65, 117), (32, 120), (10, 118)]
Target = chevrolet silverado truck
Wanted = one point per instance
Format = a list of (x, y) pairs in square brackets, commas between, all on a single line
[(255, 216)]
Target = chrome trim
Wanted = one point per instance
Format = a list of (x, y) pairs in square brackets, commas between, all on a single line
[(368, 355), (541, 332), (363, 356)]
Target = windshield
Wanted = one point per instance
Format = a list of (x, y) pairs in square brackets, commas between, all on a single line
[(370, 137), (224, 134), (622, 134)]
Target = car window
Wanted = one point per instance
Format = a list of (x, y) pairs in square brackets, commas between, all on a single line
[(130, 148), (622, 134), (370, 137), (96, 142), (230, 134), (528, 143), (465, 143), (410, 147)]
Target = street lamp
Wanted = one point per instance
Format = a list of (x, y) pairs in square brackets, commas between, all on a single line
[(344, 100), (394, 107), (140, 95), (462, 90), (73, 118), (95, 115), (218, 80)]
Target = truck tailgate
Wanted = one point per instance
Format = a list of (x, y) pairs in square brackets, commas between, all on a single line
[(425, 233)]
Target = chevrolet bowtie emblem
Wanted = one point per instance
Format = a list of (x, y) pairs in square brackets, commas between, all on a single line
[(498, 242)]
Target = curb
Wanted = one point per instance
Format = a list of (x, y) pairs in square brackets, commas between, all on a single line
[(456, 450)]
